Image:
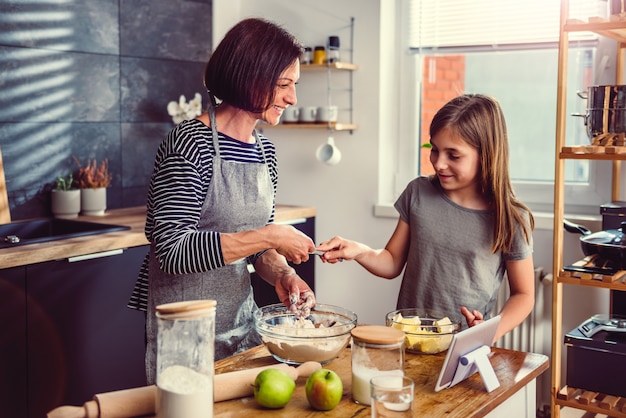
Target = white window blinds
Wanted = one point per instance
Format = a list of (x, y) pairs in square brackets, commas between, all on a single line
[(493, 23)]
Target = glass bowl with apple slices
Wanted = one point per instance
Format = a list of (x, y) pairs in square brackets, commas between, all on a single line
[(427, 331), (320, 337)]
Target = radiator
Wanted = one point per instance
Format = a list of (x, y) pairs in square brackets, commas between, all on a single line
[(527, 336)]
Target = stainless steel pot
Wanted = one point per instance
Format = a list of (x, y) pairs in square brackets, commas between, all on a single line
[(606, 110), (609, 244)]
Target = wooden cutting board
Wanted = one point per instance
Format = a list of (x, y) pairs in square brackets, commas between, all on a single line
[(5, 213)]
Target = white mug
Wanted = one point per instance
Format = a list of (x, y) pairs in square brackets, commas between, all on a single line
[(327, 114), (328, 153), (291, 114), (308, 114)]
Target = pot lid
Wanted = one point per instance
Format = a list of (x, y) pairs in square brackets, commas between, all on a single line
[(610, 237), (617, 207)]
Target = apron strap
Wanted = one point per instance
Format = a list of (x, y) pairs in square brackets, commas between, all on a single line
[(216, 142)]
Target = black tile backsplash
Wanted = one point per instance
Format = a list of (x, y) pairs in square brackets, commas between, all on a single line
[(142, 79), (92, 79), (178, 30), (63, 25)]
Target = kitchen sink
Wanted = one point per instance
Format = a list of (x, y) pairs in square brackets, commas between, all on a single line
[(50, 229)]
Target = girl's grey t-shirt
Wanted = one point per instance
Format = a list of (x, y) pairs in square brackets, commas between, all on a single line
[(450, 263)]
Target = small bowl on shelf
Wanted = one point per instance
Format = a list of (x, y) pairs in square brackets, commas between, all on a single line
[(426, 331), (320, 337)]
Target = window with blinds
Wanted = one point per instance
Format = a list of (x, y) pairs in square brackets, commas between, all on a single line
[(498, 24), (509, 50)]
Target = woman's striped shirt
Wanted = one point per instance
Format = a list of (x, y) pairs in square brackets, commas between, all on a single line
[(181, 176)]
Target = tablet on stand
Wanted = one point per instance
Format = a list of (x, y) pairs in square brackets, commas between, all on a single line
[(469, 353)]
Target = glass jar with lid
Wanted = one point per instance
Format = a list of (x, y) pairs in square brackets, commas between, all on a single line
[(319, 55), (333, 49), (376, 350), (307, 56), (185, 356)]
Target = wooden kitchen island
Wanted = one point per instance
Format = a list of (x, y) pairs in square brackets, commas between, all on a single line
[(516, 372)]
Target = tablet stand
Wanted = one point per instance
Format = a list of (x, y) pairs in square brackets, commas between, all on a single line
[(477, 359)]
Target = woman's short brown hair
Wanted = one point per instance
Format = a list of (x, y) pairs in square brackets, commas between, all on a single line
[(244, 68)]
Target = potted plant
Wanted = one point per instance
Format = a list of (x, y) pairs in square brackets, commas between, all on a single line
[(65, 198), (93, 179)]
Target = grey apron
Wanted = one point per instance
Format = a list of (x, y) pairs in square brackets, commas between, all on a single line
[(239, 198)]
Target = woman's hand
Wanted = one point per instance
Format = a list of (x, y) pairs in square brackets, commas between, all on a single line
[(296, 294), (293, 244), (472, 317)]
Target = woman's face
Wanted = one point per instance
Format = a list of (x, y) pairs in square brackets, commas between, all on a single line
[(456, 163), (285, 94)]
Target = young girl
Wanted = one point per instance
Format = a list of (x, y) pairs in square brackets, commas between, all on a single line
[(461, 229)]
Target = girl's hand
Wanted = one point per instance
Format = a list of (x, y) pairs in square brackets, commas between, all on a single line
[(472, 318), (338, 249)]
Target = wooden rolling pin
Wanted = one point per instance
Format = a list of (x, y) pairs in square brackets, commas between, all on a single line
[(141, 401)]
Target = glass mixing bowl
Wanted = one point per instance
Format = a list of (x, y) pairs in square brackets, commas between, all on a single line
[(426, 330), (319, 337)]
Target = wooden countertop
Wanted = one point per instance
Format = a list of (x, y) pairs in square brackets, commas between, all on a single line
[(468, 399), (133, 217)]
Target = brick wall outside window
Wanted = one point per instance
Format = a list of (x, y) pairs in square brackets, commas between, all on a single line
[(444, 79)]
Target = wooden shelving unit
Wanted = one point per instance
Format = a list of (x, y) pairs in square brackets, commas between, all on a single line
[(563, 396), (329, 68), (331, 126)]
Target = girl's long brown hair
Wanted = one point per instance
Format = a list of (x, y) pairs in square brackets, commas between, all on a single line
[(479, 120)]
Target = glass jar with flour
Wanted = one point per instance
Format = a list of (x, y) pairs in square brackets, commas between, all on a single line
[(376, 350), (185, 355)]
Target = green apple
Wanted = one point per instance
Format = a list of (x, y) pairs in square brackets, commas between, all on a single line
[(324, 389), (273, 388)]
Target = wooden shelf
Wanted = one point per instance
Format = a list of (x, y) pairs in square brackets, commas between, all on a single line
[(346, 66), (613, 28), (614, 282), (591, 152), (613, 406), (333, 126)]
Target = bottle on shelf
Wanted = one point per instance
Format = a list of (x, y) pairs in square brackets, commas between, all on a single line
[(333, 49), (319, 55), (307, 56)]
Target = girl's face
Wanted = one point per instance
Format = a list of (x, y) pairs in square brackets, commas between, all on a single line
[(456, 164), (285, 94)]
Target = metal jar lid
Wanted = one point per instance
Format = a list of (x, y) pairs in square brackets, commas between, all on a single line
[(377, 334)]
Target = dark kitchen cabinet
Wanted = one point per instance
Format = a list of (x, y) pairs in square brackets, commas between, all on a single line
[(264, 294), (78, 337), (13, 361)]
